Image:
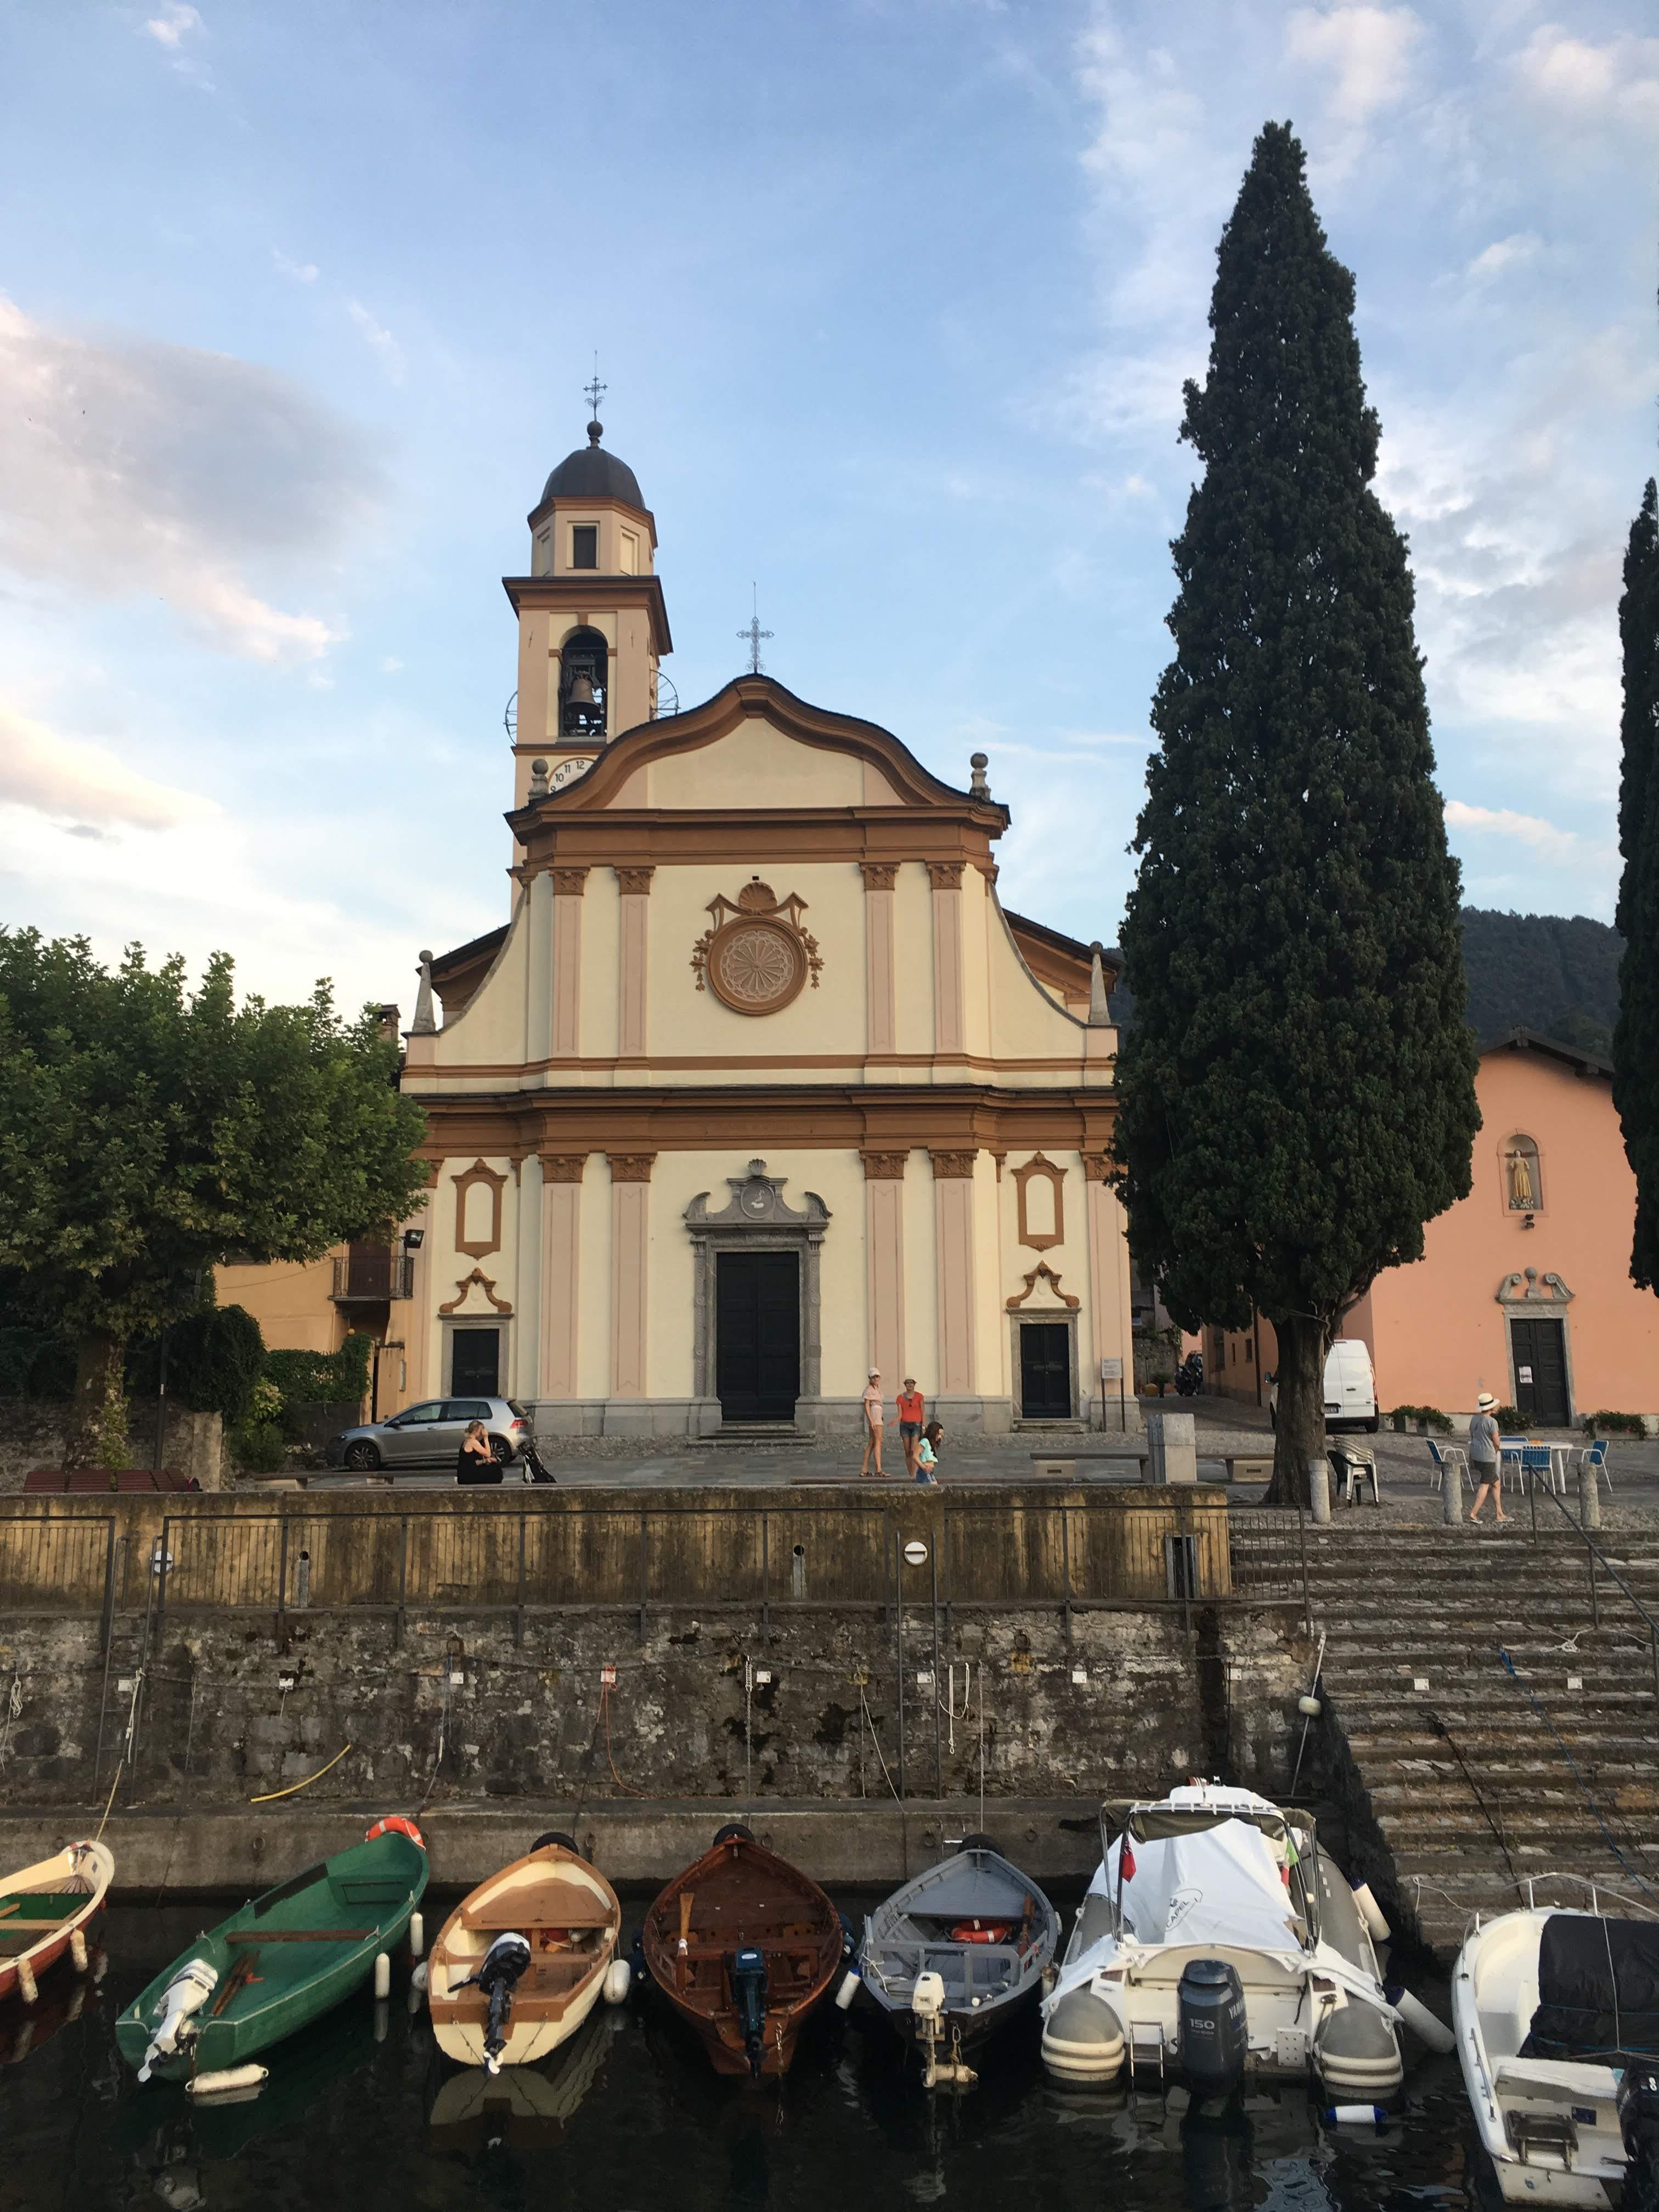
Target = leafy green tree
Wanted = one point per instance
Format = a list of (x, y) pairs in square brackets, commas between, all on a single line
[(145, 1131), (1636, 1036), (1297, 1097)]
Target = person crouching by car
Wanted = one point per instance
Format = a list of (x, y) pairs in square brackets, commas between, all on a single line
[(476, 1462)]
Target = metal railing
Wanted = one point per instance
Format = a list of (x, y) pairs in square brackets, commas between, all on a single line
[(1068, 1556), (363, 1272), (1594, 1557)]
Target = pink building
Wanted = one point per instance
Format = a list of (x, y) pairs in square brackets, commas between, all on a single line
[(1523, 1288)]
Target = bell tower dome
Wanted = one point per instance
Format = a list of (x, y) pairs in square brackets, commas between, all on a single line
[(592, 626)]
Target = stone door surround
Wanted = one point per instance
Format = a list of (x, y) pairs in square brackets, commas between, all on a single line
[(755, 1219)]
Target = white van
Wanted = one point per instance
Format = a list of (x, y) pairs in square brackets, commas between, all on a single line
[(1350, 1387)]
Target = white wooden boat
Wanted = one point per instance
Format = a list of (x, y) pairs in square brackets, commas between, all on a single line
[(1218, 1941), (521, 1962), (44, 1911), (1551, 2009)]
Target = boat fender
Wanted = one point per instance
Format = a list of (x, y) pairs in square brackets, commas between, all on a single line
[(416, 1934), (395, 1824), (1421, 2021), (851, 1983), (1310, 1708), (382, 1975), (78, 1949), (186, 1993), (28, 1988), (1355, 2116), (1370, 1913), (230, 2082), (618, 1981)]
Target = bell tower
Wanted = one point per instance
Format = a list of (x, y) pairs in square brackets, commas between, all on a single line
[(592, 626)]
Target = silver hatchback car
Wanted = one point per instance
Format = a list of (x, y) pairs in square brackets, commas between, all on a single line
[(429, 1435)]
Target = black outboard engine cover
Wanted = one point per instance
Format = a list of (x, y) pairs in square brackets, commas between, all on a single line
[(747, 1971), (1638, 2119), (504, 1964), (1212, 2039)]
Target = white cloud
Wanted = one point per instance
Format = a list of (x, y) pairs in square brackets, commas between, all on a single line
[(169, 28), (1577, 82), (391, 353), (131, 468), (82, 785), (302, 272), (1368, 50), (1530, 830), (390, 665), (1516, 251)]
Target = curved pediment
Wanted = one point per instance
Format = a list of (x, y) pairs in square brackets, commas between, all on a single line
[(756, 721)]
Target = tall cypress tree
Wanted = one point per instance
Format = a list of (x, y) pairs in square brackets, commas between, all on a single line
[(1635, 1038), (1297, 1097)]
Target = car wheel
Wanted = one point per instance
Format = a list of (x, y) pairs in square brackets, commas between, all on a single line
[(363, 1456), (1373, 1425), (503, 1451)]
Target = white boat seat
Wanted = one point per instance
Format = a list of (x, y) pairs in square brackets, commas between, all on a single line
[(1565, 2080)]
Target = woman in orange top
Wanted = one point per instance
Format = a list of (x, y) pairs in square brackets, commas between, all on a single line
[(912, 1411)]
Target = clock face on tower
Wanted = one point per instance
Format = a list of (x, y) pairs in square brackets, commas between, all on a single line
[(567, 769)]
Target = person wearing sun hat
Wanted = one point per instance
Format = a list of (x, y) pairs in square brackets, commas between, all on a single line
[(1483, 1456)]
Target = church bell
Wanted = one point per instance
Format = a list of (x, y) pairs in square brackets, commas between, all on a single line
[(582, 689)]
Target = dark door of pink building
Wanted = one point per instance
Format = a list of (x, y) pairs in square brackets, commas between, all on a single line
[(1539, 1351)]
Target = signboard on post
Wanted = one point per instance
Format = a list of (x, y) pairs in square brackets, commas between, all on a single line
[(1111, 1370)]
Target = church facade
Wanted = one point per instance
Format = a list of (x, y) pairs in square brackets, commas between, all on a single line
[(761, 1086)]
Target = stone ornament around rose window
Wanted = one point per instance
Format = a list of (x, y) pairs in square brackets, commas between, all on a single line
[(756, 956)]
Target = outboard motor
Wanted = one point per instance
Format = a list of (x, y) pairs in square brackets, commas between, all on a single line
[(1638, 2121), (746, 1971), (503, 1967), (1213, 2040)]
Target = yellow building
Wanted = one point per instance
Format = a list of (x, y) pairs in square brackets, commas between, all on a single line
[(760, 1086)]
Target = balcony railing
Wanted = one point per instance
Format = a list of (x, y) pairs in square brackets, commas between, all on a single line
[(368, 1274)]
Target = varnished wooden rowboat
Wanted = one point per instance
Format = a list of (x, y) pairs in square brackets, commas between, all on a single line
[(43, 1909), (743, 1945), (568, 1915)]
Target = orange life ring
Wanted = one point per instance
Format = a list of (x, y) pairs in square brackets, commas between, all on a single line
[(981, 1931), (395, 1824)]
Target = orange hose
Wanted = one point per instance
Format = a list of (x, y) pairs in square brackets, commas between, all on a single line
[(626, 1789)]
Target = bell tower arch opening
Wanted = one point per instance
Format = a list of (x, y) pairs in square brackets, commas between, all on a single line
[(584, 684)]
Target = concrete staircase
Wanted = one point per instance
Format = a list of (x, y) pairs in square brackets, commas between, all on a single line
[(1472, 1793)]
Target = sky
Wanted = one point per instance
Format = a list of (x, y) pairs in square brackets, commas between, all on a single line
[(893, 298)]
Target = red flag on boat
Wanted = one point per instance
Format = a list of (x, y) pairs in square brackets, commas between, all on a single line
[(1126, 1865)]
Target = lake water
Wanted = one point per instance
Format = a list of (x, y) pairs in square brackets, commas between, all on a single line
[(364, 2113)]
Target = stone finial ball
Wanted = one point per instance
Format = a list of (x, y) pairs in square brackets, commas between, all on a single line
[(979, 760), (426, 959)]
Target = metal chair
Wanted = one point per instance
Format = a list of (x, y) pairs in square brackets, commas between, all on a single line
[(1512, 1459), (1442, 1456), (1596, 1456)]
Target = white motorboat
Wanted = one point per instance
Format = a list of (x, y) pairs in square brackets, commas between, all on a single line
[(1218, 1941), (1554, 2011)]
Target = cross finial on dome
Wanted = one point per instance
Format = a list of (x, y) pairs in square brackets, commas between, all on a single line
[(593, 391)]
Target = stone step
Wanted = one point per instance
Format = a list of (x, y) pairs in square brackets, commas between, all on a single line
[(1536, 1792), (1377, 1747)]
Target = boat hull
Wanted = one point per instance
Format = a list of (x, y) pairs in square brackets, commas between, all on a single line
[(743, 1897), (365, 1895), (568, 1914), (88, 1863)]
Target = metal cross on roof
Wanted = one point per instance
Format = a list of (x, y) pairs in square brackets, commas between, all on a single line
[(593, 390), (754, 633)]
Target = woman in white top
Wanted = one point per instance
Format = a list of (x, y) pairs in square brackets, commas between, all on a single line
[(873, 1424)]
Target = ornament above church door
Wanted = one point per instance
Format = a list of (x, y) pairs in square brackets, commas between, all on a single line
[(756, 956)]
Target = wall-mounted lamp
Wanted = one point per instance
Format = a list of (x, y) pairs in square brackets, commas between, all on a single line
[(413, 1239)]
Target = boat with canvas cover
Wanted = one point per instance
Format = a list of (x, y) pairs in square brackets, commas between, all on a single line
[(44, 1912), (1557, 2019), (1216, 1940), (743, 1945), (957, 1952), (521, 1962), (279, 1961)]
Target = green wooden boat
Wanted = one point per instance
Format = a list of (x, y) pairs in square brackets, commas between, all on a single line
[(280, 1961)]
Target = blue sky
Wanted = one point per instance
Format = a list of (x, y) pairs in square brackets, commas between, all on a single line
[(894, 299)]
